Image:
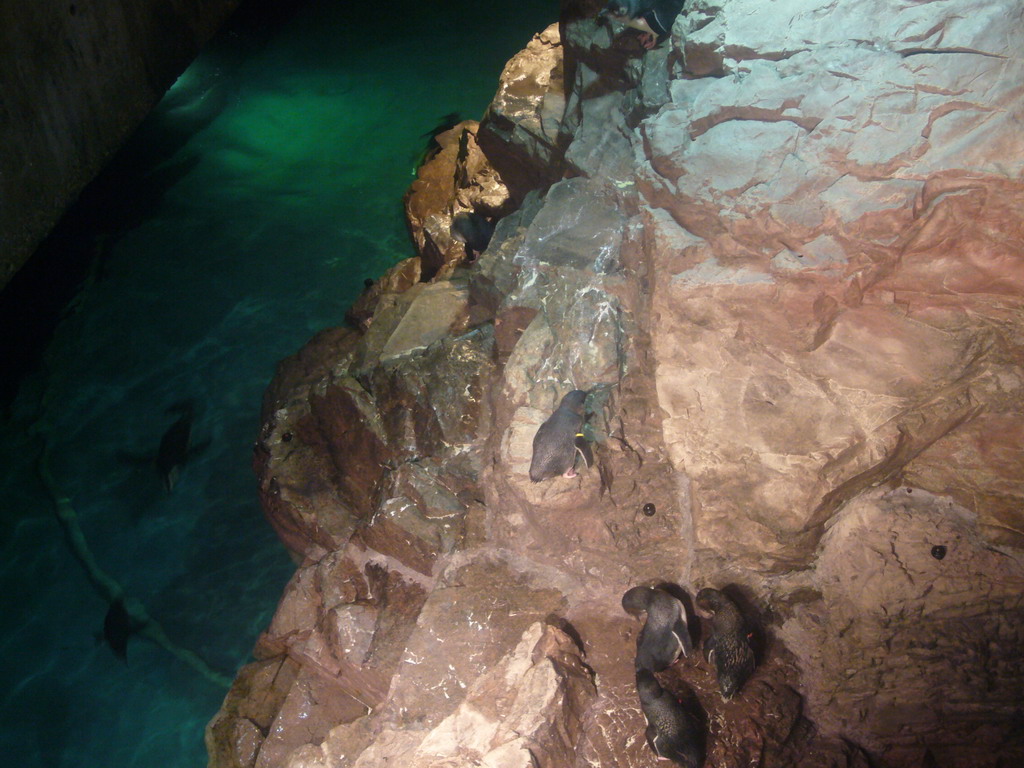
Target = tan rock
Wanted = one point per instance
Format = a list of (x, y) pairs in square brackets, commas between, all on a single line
[(520, 132), (458, 178), (907, 636), (429, 317)]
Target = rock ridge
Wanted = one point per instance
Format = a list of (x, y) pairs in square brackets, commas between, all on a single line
[(783, 254)]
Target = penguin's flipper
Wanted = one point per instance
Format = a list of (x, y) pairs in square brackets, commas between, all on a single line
[(670, 649), (680, 646), (652, 740), (582, 446), (682, 635), (709, 650)]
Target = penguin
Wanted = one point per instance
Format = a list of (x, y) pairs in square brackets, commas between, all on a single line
[(654, 18), (446, 123), (728, 644), (176, 446), (665, 636), (673, 732), (472, 230), (118, 626), (560, 439)]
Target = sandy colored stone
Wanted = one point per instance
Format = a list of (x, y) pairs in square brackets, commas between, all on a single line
[(429, 317)]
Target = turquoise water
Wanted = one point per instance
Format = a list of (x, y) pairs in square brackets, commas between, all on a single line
[(242, 218)]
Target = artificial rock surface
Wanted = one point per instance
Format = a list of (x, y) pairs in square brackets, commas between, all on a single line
[(783, 253)]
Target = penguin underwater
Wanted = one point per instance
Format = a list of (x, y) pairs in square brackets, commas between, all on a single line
[(728, 645), (560, 439), (673, 732), (654, 18), (118, 626), (665, 635), (176, 447)]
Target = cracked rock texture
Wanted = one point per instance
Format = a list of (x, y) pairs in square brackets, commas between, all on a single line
[(784, 253)]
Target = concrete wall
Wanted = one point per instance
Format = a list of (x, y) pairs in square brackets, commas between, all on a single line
[(76, 77)]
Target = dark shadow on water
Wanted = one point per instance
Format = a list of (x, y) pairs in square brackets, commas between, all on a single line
[(126, 192), (47, 701)]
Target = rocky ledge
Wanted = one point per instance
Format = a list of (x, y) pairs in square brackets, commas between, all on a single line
[(782, 252)]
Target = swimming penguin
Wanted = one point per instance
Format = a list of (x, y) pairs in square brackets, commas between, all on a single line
[(654, 18), (472, 230), (728, 644), (665, 636), (118, 626), (176, 445), (446, 123), (673, 732), (560, 439)]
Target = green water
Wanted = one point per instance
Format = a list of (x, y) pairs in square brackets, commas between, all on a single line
[(242, 218)]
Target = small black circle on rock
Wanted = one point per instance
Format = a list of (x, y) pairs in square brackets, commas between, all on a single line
[(939, 551), (649, 509), (286, 437)]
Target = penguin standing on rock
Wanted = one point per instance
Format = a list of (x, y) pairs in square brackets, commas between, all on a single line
[(473, 231), (673, 732), (654, 18), (560, 439), (728, 645), (665, 636)]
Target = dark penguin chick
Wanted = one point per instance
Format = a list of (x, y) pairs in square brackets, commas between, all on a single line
[(728, 644), (654, 18), (665, 636), (673, 732), (555, 445), (472, 230)]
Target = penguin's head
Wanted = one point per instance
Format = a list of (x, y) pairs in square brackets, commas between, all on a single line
[(574, 400)]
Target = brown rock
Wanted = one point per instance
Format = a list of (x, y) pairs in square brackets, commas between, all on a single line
[(520, 132), (398, 279), (524, 712), (458, 178), (907, 640), (785, 285), (314, 704), (234, 736)]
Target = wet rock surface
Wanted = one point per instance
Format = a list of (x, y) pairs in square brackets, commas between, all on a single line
[(786, 265)]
